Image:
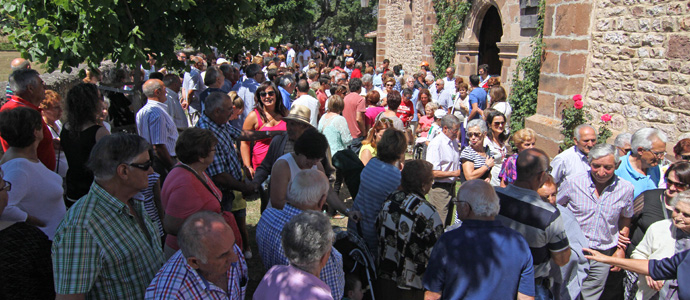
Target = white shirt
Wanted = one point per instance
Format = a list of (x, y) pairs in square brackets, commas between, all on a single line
[(156, 126), (175, 109), (449, 84), (313, 104), (443, 154), (290, 59), (570, 162)]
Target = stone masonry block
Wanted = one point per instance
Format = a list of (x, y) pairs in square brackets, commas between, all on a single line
[(679, 47), (565, 44), (561, 85), (550, 64), (572, 64), (546, 104), (680, 102), (572, 19)]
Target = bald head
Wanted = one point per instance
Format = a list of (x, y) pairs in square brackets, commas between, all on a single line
[(530, 164), (153, 88), (20, 63)]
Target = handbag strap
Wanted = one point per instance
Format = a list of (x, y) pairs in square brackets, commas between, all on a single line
[(188, 168)]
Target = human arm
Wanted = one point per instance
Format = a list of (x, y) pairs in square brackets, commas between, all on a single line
[(22, 184), (475, 110), (360, 122), (429, 295), (75, 251), (280, 177), (624, 224), (228, 182), (558, 243), (471, 173), (640, 266), (561, 258), (365, 156), (245, 146), (275, 150), (341, 125), (521, 296)]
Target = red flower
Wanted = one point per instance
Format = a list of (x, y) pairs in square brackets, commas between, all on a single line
[(579, 104), (606, 117), (577, 97)]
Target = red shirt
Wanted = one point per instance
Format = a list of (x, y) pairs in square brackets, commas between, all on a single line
[(354, 103), (356, 73), (322, 97), (46, 152), (405, 112)]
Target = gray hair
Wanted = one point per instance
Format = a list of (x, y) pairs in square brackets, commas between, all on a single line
[(429, 77), (478, 123), (602, 150), (683, 196), (21, 79), (212, 74), (622, 139), (194, 229), (367, 78), (643, 138), (306, 238), (481, 197), (449, 121), (215, 100), (307, 188), (286, 80), (112, 151), (379, 70), (577, 130)]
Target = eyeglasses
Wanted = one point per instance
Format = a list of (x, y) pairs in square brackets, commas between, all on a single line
[(263, 94), (658, 154), (145, 166), (685, 157), (7, 186), (627, 150), (677, 184), (499, 123), (473, 134)]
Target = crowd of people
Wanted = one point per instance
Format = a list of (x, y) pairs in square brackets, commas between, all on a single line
[(128, 199)]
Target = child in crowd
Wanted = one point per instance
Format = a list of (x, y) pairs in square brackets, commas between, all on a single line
[(353, 288)]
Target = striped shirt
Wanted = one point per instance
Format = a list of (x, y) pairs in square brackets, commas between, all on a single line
[(178, 280), (156, 126), (100, 250), (537, 220), (150, 205), (469, 154), (271, 249), (597, 216), (226, 159)]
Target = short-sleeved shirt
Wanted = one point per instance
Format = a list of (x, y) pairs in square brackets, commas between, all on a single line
[(246, 91), (408, 228), (569, 162), (537, 220), (640, 181), (226, 159), (178, 280), (175, 109), (156, 126), (46, 152), (354, 103), (480, 260), (271, 250), (288, 283), (192, 81), (468, 154), (313, 105), (478, 96), (598, 216), (100, 250), (443, 155), (445, 99)]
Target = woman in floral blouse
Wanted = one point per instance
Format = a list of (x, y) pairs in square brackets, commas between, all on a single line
[(523, 139)]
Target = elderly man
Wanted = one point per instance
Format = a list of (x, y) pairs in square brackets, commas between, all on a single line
[(574, 161), (157, 127), (192, 85), (226, 169), (209, 265), (602, 204), (307, 240), (641, 165), (29, 91), (214, 80), (443, 154), (482, 259), (539, 222), (622, 143), (172, 89), (246, 91), (307, 192), (16, 64), (287, 87), (449, 80), (310, 102), (367, 84), (107, 247)]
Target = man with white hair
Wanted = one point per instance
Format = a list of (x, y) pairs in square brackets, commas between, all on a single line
[(443, 155), (574, 160), (209, 265), (603, 206), (641, 165), (367, 84), (307, 240), (157, 127), (482, 259), (622, 143), (307, 192)]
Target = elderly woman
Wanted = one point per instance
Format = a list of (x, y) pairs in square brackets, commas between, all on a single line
[(80, 134), (267, 116), (522, 139), (37, 195), (380, 177), (403, 257), (476, 159), (368, 150), (306, 240), (51, 110), (188, 188), (496, 140), (334, 126), (664, 239)]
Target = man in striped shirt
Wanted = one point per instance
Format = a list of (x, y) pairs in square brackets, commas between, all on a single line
[(603, 206), (209, 265), (523, 210)]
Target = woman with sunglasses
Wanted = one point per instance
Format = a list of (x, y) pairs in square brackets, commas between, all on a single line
[(476, 159), (496, 141), (267, 116)]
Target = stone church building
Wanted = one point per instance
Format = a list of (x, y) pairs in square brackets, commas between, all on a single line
[(628, 58)]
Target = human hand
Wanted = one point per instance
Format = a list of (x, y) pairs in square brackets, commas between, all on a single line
[(623, 241), (56, 144), (489, 162), (619, 253), (184, 104), (654, 284), (594, 255), (250, 172)]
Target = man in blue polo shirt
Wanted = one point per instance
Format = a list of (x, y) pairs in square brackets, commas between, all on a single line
[(482, 259), (477, 99), (641, 165)]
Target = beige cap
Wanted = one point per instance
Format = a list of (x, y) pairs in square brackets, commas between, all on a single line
[(299, 113)]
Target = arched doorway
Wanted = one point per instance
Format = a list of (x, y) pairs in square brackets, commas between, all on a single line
[(490, 34)]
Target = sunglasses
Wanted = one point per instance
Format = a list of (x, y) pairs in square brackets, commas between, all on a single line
[(499, 123), (679, 185), (145, 166), (7, 186), (263, 94), (390, 85), (685, 157), (473, 134)]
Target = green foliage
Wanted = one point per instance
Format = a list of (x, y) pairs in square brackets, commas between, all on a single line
[(69, 32), (525, 86), (450, 19), (604, 133)]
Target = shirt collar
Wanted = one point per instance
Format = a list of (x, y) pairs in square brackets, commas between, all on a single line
[(625, 160), (612, 185), (580, 153), (109, 200), (21, 101), (156, 103)]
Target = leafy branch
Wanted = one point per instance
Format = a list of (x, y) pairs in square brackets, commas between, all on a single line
[(450, 19)]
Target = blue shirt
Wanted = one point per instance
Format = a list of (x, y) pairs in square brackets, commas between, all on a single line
[(640, 182), (477, 95), (286, 97), (568, 279), (246, 92), (205, 93), (480, 260), (678, 267), (226, 159)]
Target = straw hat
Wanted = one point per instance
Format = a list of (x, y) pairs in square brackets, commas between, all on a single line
[(299, 113)]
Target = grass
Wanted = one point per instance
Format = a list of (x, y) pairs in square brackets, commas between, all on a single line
[(6, 58)]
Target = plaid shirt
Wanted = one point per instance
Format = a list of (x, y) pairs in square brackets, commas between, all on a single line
[(177, 280), (226, 159), (100, 250), (271, 249)]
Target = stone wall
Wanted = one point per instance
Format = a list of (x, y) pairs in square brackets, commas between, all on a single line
[(404, 33), (639, 65)]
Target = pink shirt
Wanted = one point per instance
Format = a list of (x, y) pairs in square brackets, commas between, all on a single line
[(425, 123), (371, 114), (354, 103), (288, 283)]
